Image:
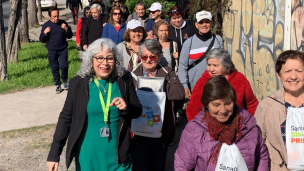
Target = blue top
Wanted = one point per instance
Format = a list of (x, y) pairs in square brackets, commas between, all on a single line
[(56, 39), (150, 24), (110, 32)]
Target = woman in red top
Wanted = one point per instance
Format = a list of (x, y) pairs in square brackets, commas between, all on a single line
[(81, 25), (219, 63)]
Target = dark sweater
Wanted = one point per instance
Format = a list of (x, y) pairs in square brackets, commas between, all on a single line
[(56, 39), (94, 29)]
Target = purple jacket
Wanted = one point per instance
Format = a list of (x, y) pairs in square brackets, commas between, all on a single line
[(196, 146)]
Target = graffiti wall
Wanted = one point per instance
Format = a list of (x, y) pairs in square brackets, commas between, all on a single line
[(254, 36), (297, 25)]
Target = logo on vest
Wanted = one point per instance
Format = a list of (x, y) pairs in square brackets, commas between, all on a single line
[(297, 135), (226, 168)]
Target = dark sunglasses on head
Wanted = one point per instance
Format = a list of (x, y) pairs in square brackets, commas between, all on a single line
[(116, 13), (174, 11), (152, 57)]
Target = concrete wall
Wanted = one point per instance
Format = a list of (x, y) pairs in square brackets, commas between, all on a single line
[(254, 36)]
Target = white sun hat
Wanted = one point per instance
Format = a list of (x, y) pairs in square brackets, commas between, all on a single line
[(155, 6), (132, 24), (203, 15)]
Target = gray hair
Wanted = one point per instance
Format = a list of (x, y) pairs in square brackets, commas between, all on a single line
[(224, 57), (141, 4), (96, 6), (153, 46), (86, 69)]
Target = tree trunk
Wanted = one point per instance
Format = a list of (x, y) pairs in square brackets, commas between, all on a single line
[(3, 59), (39, 14), (12, 40), (32, 13), (24, 34)]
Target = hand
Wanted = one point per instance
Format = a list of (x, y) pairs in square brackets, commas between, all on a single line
[(119, 103), (150, 35), (47, 30), (78, 44), (64, 26), (53, 166), (104, 24), (175, 55), (85, 47), (187, 93)]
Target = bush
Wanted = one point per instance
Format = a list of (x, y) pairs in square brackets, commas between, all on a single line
[(165, 4)]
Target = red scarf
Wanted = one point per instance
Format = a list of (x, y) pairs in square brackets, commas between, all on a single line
[(223, 132)]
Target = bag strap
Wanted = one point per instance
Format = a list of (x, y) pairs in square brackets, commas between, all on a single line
[(203, 56)]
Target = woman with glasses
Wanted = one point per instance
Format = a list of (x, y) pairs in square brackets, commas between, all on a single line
[(82, 23), (150, 153), (115, 28), (181, 30), (123, 8), (219, 63), (134, 35), (97, 113)]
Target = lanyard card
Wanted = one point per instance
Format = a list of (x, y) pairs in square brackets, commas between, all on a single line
[(104, 132)]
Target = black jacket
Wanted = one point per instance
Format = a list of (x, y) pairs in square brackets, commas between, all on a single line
[(73, 115), (94, 29)]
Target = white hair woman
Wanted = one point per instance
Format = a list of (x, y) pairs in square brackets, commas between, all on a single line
[(97, 113), (219, 63), (150, 153)]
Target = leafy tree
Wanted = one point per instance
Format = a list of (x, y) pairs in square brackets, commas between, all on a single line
[(165, 4)]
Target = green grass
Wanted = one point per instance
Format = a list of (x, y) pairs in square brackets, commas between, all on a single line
[(33, 68)]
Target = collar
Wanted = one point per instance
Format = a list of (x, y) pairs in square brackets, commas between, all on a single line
[(146, 72)]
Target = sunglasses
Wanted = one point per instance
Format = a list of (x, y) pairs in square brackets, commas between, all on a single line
[(153, 12), (152, 57), (174, 11), (116, 2), (116, 13)]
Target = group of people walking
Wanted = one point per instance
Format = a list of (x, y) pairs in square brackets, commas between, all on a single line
[(228, 129)]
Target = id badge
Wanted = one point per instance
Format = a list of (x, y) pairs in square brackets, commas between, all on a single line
[(104, 132)]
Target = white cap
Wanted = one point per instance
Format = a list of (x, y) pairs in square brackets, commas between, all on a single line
[(132, 24), (155, 6), (203, 15)]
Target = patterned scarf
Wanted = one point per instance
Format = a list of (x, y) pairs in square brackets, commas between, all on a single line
[(223, 132), (132, 53)]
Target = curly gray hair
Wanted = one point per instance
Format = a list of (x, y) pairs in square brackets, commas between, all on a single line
[(86, 70), (153, 46)]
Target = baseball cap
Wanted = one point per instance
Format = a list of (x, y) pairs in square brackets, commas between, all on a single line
[(155, 6), (132, 24), (203, 15)]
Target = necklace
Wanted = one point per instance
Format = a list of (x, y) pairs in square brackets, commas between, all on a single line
[(104, 88), (133, 48)]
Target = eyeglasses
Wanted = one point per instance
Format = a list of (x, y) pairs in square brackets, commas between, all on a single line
[(101, 59), (152, 57), (174, 11), (116, 13), (116, 2)]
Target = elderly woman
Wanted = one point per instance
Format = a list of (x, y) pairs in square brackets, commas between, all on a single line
[(273, 111), (150, 153), (219, 63), (181, 30), (97, 113), (162, 32), (221, 121), (115, 28), (134, 35)]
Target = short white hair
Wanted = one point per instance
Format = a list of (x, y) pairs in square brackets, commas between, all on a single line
[(96, 6)]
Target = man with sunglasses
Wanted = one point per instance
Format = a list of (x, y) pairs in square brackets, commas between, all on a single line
[(192, 62), (156, 14), (95, 23), (139, 14)]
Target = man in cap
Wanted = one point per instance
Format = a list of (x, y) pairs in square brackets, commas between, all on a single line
[(95, 23), (155, 15), (192, 63)]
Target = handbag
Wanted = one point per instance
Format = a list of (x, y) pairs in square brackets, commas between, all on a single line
[(294, 138), (203, 56), (230, 158)]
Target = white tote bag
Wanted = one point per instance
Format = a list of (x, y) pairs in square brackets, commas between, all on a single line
[(150, 123), (230, 158), (295, 138)]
